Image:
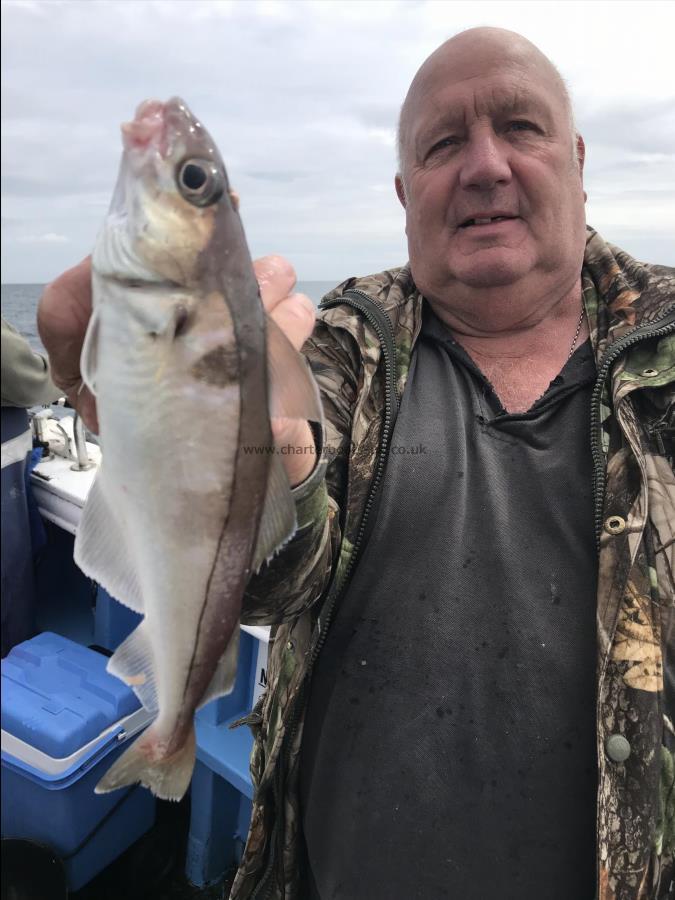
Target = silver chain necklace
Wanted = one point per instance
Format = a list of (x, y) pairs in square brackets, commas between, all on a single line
[(576, 333)]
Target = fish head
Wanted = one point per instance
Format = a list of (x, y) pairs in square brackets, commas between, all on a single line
[(172, 186)]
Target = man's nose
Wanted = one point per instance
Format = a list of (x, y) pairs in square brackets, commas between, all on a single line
[(485, 163)]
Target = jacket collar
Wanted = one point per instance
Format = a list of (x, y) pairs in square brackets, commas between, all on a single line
[(620, 294)]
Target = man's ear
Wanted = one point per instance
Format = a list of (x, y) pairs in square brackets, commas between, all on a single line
[(400, 190), (581, 157)]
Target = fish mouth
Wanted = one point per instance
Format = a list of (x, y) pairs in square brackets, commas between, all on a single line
[(156, 125), (148, 128)]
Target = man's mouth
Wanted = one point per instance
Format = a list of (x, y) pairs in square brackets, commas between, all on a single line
[(485, 220)]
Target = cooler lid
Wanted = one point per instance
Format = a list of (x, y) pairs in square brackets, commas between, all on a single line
[(57, 696)]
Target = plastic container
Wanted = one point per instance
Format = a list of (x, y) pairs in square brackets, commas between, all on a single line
[(113, 622), (221, 784), (64, 722)]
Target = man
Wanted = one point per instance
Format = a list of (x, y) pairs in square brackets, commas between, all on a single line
[(25, 382), (430, 727)]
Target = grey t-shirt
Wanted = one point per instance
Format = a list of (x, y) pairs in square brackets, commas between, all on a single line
[(449, 744)]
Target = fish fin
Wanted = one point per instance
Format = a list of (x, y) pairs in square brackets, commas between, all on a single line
[(293, 391), (226, 672), (89, 356), (277, 521), (133, 663), (102, 553), (167, 778)]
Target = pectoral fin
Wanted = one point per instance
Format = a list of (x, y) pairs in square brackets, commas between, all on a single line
[(293, 391), (278, 522)]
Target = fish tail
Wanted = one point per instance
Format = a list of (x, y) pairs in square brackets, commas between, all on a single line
[(167, 778)]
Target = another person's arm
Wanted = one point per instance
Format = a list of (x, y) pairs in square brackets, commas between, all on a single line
[(25, 373)]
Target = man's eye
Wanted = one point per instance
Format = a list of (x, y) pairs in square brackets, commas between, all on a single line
[(522, 125), (444, 142)]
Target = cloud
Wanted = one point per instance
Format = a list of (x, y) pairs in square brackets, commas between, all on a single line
[(302, 98), (49, 238)]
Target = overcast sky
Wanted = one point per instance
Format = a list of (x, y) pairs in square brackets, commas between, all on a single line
[(302, 99)]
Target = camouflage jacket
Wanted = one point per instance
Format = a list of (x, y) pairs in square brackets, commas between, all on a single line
[(631, 312)]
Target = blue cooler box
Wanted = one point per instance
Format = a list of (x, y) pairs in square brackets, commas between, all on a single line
[(65, 720)]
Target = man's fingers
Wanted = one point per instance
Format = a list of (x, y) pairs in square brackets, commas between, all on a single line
[(295, 315), (276, 277)]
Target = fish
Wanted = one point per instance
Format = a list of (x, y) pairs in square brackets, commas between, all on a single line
[(191, 498)]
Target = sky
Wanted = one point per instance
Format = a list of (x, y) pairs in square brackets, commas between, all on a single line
[(302, 99)]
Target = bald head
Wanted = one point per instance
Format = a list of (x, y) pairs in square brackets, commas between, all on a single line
[(463, 56)]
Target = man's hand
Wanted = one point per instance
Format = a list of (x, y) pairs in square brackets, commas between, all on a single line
[(295, 315), (63, 316)]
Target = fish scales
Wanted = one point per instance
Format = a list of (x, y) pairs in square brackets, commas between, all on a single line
[(183, 508)]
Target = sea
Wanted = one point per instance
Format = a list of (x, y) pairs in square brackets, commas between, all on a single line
[(19, 305)]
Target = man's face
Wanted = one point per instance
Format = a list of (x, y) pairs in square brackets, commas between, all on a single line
[(492, 191)]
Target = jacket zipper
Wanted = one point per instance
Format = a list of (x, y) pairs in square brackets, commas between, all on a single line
[(381, 323), (654, 329)]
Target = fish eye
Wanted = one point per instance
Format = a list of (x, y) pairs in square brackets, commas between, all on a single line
[(200, 182)]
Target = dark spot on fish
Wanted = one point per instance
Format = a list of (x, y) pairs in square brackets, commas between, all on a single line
[(181, 320), (440, 712), (218, 367), (504, 652), (354, 701)]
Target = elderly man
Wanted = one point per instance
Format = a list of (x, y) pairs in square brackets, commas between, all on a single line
[(465, 701)]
